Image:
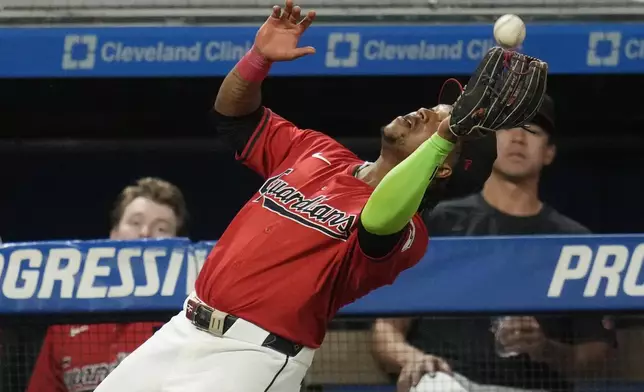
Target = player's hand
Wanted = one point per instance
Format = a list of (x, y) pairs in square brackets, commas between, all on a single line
[(444, 132), (417, 367), (523, 335), (277, 39)]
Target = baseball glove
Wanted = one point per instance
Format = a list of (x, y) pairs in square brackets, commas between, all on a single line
[(505, 92)]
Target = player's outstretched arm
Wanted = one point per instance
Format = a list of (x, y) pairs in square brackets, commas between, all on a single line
[(276, 40), (238, 96), (398, 196)]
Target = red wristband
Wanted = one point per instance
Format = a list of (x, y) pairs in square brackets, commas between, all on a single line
[(253, 67)]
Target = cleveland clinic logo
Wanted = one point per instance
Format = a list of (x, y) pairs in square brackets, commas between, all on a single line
[(80, 52), (346, 58), (604, 49)]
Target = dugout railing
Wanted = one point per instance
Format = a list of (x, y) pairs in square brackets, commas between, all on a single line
[(472, 280), (346, 360)]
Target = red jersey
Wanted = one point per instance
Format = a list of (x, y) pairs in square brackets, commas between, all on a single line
[(76, 358), (290, 258)]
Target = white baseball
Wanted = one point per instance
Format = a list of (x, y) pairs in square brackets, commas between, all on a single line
[(509, 31)]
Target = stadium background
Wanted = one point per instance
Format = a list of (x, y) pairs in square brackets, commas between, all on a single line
[(69, 144)]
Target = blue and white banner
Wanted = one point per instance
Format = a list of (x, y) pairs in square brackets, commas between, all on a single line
[(341, 50), (457, 275)]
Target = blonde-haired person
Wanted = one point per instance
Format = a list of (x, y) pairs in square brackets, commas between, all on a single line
[(78, 357), (151, 208)]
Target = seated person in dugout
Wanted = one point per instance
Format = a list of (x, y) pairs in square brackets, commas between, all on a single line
[(78, 357)]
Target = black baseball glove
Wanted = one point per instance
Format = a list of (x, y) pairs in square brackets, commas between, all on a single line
[(505, 92)]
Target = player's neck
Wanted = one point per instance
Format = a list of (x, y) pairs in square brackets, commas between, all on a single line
[(513, 198), (373, 173)]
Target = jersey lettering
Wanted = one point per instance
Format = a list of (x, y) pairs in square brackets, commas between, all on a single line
[(280, 197), (87, 377), (74, 331)]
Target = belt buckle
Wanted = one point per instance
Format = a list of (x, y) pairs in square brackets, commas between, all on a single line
[(217, 322), (205, 318)]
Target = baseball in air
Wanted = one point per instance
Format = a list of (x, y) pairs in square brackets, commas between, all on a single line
[(509, 31)]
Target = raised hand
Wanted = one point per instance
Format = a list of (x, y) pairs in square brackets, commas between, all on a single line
[(278, 37)]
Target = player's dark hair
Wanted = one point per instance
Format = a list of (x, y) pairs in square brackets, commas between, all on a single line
[(156, 190)]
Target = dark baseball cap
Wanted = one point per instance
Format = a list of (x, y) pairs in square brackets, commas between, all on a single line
[(545, 117)]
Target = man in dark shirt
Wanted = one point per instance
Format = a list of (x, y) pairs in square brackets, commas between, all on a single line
[(528, 352)]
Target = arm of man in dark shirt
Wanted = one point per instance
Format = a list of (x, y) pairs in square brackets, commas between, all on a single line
[(389, 343), (391, 349), (575, 360), (593, 344)]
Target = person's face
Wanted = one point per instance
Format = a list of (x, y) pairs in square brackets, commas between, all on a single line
[(144, 218), (406, 133), (522, 154)]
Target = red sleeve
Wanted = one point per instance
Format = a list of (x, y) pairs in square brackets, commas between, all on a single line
[(47, 375), (272, 142), (367, 274)]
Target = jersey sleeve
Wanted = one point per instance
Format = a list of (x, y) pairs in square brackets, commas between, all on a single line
[(273, 140), (368, 273), (234, 132), (47, 375)]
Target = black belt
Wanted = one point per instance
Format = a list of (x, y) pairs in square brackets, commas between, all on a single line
[(201, 316)]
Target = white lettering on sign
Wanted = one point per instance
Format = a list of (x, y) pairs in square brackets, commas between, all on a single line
[(124, 265), (151, 273), (613, 266), (172, 275), (21, 278), (423, 50), (92, 270), (118, 52), (98, 272), (634, 49), (225, 51), (56, 272)]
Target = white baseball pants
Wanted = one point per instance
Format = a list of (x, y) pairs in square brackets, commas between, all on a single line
[(179, 358)]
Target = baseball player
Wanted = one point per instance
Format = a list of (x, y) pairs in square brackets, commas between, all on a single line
[(324, 229), (77, 358)]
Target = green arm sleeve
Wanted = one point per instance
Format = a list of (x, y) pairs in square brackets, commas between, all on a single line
[(397, 198)]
